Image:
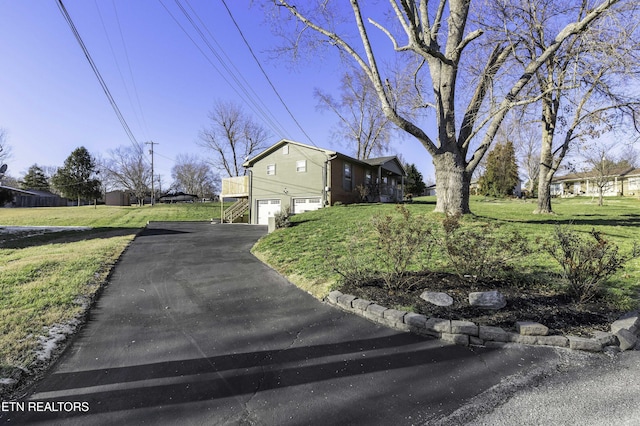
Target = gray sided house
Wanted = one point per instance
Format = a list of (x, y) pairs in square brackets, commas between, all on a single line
[(33, 198), (294, 177)]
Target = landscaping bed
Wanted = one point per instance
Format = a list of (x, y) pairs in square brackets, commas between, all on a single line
[(543, 305)]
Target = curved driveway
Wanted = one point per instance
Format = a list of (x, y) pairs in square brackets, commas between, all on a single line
[(192, 329)]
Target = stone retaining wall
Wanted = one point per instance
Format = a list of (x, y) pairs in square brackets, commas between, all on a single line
[(624, 334)]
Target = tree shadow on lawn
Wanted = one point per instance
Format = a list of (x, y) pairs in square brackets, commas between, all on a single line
[(594, 220)]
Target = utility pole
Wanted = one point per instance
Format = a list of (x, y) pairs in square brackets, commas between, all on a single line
[(153, 189)]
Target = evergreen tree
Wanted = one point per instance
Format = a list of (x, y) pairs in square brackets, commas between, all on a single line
[(35, 179), (414, 184), (74, 179), (501, 174)]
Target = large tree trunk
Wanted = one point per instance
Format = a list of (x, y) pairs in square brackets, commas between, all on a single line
[(544, 193), (547, 169), (452, 183)]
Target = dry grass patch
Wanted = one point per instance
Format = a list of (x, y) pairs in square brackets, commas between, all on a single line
[(46, 285)]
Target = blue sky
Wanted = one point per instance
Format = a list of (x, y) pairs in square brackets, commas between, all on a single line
[(51, 102)]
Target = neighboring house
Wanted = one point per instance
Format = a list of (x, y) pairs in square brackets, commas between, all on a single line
[(294, 177), (430, 190), (621, 182), (178, 197), (34, 198)]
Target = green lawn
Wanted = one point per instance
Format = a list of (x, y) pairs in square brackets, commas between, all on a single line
[(108, 216), (47, 279), (306, 251)]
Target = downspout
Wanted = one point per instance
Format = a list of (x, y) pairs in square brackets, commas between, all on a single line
[(325, 179), (250, 195)]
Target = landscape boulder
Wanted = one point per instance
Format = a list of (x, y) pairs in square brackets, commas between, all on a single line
[(437, 298), (626, 338), (529, 328), (487, 299)]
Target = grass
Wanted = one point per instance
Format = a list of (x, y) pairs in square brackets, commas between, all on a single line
[(48, 278), (307, 251), (108, 216)]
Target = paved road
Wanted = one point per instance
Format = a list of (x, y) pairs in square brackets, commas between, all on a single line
[(588, 391), (194, 330)]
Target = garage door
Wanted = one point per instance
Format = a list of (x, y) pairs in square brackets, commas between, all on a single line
[(301, 205), (267, 209)]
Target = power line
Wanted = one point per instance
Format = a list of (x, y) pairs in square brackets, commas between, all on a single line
[(236, 73), (112, 101), (265, 73)]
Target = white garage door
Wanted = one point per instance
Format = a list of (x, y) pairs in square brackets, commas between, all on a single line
[(301, 205), (267, 209)]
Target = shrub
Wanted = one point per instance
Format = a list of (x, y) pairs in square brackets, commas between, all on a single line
[(356, 268), (282, 219), (587, 263), (481, 251), (400, 240)]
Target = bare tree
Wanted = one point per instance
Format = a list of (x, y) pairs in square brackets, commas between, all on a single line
[(584, 85), (601, 167), (192, 175), (128, 169), (630, 155), (5, 149), (362, 123), (232, 138), (437, 37)]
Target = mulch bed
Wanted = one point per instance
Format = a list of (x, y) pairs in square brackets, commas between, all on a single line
[(546, 306)]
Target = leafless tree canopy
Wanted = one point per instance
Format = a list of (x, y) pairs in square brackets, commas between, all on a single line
[(127, 168), (585, 89), (232, 138), (5, 149), (444, 39), (192, 175), (362, 124)]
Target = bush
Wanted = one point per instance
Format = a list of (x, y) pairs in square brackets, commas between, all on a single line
[(481, 251), (401, 242), (357, 267), (282, 219), (587, 263), (401, 239)]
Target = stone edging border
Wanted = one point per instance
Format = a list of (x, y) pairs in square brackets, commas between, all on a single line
[(624, 335)]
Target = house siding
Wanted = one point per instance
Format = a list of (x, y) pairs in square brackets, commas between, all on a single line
[(287, 183), (341, 193)]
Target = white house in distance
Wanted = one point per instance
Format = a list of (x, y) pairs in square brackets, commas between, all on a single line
[(624, 181)]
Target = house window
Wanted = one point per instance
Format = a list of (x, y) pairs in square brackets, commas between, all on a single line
[(271, 169), (285, 150), (367, 177), (634, 184), (347, 178), (301, 166)]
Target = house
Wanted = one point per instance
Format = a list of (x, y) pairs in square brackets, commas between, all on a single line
[(294, 177), (34, 198), (178, 197), (621, 181)]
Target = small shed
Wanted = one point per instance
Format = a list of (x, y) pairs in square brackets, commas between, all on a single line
[(117, 198)]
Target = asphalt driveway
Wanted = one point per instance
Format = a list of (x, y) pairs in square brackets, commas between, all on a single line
[(193, 330)]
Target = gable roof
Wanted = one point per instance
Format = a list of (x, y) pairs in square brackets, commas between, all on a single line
[(617, 172), (249, 162)]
